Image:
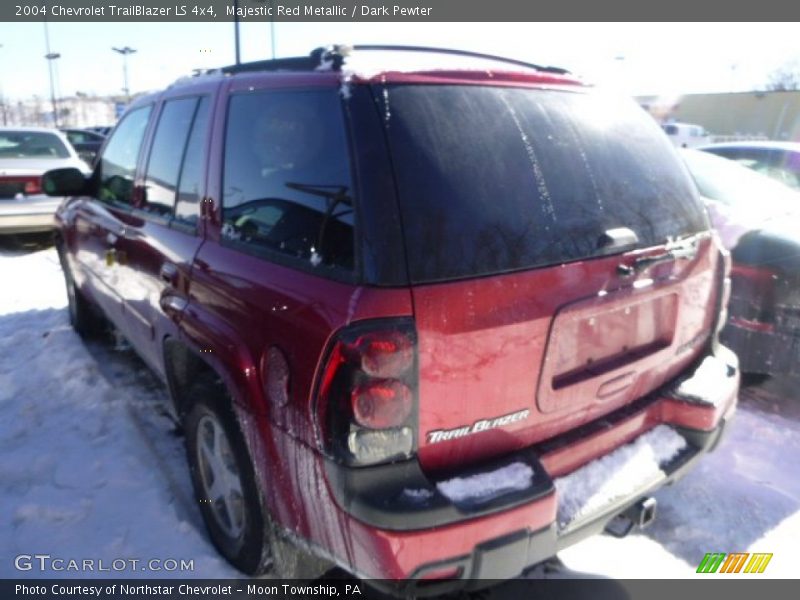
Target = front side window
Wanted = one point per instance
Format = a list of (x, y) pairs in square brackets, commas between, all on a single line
[(287, 186), (118, 163)]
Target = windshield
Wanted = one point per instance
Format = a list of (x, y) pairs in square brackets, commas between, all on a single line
[(31, 144), (740, 188), (495, 179)]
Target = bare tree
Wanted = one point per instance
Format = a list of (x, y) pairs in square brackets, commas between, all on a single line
[(785, 78)]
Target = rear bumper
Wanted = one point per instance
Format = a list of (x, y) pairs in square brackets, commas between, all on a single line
[(410, 531), (29, 215)]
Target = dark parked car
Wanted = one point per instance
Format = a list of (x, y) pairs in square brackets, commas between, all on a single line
[(779, 160), (401, 315), (103, 130), (759, 222), (86, 143)]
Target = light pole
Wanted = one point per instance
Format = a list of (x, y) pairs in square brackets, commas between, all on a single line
[(3, 104), (272, 35), (125, 52), (236, 31), (51, 56)]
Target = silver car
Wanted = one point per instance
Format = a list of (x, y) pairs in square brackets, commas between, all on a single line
[(26, 153)]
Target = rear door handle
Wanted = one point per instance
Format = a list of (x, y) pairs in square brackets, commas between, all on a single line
[(168, 273)]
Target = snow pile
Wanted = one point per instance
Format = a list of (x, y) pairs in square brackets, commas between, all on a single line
[(475, 488), (79, 476), (622, 473), (704, 385)]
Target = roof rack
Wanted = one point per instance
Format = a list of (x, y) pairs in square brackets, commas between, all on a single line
[(292, 63), (333, 58), (492, 57)]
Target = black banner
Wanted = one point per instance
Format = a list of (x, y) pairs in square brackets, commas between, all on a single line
[(394, 10), (702, 588)]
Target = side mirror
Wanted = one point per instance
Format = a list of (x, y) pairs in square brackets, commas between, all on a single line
[(65, 182)]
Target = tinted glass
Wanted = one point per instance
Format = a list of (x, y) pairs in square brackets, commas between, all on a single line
[(31, 144), (118, 163), (499, 179), (192, 179), (287, 186), (167, 154)]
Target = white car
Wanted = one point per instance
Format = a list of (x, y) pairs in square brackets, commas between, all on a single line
[(26, 153), (686, 135)]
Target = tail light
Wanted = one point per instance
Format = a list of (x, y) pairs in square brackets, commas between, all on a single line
[(367, 393), (33, 186), (28, 185)]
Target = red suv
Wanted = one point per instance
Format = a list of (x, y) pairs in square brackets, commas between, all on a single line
[(410, 320)]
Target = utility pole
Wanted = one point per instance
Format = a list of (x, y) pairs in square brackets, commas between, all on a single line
[(272, 34), (125, 52), (3, 104), (51, 56), (236, 31)]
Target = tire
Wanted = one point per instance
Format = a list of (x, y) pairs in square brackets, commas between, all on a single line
[(224, 483), (83, 317)]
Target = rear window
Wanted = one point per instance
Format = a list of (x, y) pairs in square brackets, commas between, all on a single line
[(494, 179), (31, 144)]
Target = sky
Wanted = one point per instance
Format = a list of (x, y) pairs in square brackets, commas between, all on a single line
[(636, 58)]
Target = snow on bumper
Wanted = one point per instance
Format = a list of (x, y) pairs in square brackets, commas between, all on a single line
[(617, 476)]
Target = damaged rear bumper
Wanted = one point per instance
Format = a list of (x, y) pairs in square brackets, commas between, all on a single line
[(440, 544)]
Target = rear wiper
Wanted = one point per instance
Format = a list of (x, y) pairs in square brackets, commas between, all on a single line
[(685, 250)]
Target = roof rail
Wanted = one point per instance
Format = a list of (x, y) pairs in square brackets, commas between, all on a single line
[(333, 58), (492, 57), (292, 63)]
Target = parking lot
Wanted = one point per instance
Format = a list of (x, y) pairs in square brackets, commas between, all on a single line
[(90, 465)]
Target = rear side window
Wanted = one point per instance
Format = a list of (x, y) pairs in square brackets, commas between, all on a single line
[(118, 163), (192, 177), (31, 144), (496, 179), (287, 188), (167, 153)]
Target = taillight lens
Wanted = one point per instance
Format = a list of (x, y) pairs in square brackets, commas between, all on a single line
[(381, 404), (33, 186), (367, 393), (28, 186), (388, 354)]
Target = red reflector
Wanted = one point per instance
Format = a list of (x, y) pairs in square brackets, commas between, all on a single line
[(443, 573), (385, 354), (381, 404)]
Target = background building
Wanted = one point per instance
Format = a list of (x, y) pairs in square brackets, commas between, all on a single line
[(767, 115)]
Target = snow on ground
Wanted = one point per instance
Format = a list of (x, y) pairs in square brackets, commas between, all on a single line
[(89, 467), (80, 475)]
